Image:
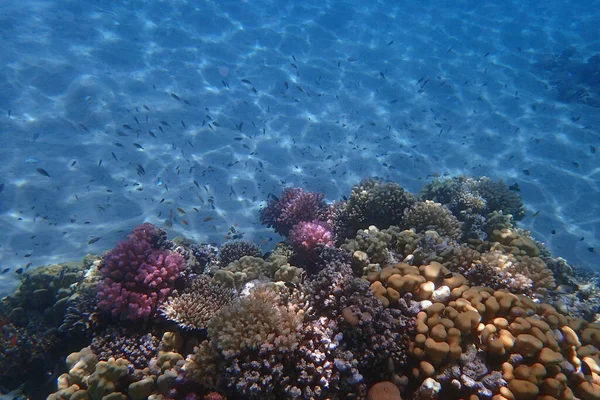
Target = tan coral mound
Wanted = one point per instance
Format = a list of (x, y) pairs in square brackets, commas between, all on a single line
[(535, 351)]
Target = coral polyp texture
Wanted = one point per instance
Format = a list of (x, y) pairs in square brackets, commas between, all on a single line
[(138, 275), (379, 296)]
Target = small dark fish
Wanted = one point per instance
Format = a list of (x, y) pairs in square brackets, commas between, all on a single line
[(140, 170), (27, 266), (139, 146), (486, 54), (239, 126), (449, 50), (208, 219), (592, 249), (215, 123), (114, 156), (100, 163), (19, 271), (592, 149), (575, 119), (181, 210), (84, 127), (553, 231), (183, 124), (225, 84), (246, 81), (390, 43), (290, 285), (119, 144), (254, 90), (165, 123), (152, 134), (146, 107), (94, 239), (127, 127), (168, 223), (526, 172), (535, 214), (294, 65), (136, 120), (515, 187), (187, 102), (1, 187), (5, 270), (42, 171), (173, 95)]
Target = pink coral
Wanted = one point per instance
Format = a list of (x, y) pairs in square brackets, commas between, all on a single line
[(137, 275), (295, 205), (307, 235)]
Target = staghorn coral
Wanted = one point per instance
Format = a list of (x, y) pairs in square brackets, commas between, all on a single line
[(233, 250), (431, 216), (293, 206), (374, 202), (198, 304)]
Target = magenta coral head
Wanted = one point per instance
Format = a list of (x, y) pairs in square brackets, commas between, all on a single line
[(295, 205), (137, 275), (307, 235)]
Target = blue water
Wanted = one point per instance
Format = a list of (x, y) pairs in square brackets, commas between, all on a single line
[(333, 92)]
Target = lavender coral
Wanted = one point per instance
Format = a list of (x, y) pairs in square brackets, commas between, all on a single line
[(137, 275), (305, 236), (295, 205)]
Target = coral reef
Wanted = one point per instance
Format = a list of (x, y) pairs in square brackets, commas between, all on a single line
[(376, 297), (233, 250), (138, 275), (198, 304), (431, 216), (117, 342), (306, 236), (293, 206), (374, 202)]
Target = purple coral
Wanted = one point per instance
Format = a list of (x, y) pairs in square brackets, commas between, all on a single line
[(138, 276), (295, 205), (305, 236)]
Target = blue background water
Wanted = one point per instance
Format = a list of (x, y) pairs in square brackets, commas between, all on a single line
[(400, 91)]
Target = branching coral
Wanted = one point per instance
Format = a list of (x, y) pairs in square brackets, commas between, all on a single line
[(233, 250), (138, 276), (305, 236), (198, 304), (293, 206), (374, 202), (428, 215), (136, 348)]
